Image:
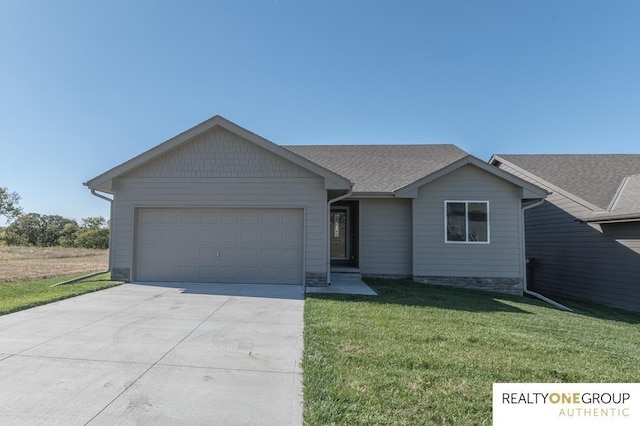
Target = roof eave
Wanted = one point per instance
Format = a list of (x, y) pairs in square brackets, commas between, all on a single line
[(372, 194), (612, 218)]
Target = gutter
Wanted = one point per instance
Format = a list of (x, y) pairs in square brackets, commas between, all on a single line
[(110, 200), (94, 192), (334, 200), (525, 288)]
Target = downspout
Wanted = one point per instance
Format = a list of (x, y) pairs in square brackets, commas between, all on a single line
[(524, 263), (110, 200), (334, 200)]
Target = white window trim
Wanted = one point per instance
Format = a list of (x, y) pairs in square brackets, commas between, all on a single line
[(466, 224)]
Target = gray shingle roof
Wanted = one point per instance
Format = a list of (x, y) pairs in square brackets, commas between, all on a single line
[(380, 168), (593, 177)]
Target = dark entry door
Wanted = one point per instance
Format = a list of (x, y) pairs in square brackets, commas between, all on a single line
[(339, 233)]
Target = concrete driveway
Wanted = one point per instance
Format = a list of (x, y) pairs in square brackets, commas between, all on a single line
[(189, 354)]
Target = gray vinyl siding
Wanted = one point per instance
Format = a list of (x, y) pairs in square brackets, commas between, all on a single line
[(600, 263), (385, 237), (500, 258), (580, 260), (626, 234)]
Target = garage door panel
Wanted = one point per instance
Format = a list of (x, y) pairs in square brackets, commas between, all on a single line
[(147, 216), (164, 256), (210, 217), (188, 273), (249, 236), (160, 271), (169, 235), (148, 253), (249, 255), (270, 274), (291, 236), (206, 255), (249, 274), (190, 233), (293, 219), (229, 256), (206, 271), (208, 233), (290, 273), (271, 218), (188, 254), (190, 217), (271, 236), (168, 216), (219, 245), (228, 273), (270, 257), (249, 218), (152, 232), (229, 236), (292, 256), (229, 217)]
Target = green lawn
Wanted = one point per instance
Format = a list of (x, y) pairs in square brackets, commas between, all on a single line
[(422, 355), (27, 294)]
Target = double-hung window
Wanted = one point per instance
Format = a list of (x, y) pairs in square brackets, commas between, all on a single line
[(466, 222)]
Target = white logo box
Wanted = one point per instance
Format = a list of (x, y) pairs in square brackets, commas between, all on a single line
[(566, 404)]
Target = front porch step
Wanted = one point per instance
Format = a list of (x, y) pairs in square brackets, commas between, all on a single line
[(345, 283), (345, 275), (344, 270)]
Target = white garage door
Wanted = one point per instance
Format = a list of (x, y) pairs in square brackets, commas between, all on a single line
[(219, 245)]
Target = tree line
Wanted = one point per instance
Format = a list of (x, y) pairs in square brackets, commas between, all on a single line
[(34, 229)]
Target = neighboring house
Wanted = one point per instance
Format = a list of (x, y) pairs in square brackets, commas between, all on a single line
[(218, 203), (585, 238)]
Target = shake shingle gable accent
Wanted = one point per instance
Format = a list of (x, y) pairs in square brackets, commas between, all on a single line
[(528, 190)]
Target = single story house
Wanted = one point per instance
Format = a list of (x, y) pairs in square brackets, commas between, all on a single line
[(584, 240), (219, 203)]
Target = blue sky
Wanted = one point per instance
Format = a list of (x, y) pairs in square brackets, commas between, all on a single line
[(86, 85)]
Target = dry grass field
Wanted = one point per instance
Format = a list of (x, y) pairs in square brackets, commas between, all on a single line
[(31, 263)]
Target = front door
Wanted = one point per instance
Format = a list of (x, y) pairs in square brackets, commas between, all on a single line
[(339, 233)]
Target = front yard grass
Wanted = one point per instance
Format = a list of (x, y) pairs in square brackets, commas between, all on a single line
[(419, 354), (27, 294)]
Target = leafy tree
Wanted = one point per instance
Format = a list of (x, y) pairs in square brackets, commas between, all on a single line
[(37, 230), (69, 234), (9, 204), (34, 229), (93, 233), (23, 230), (54, 226)]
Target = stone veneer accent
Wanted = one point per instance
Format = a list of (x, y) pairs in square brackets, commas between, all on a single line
[(388, 276), (497, 284), (120, 274), (312, 279)]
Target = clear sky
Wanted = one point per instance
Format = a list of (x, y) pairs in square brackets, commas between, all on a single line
[(86, 85)]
